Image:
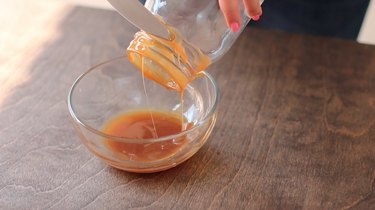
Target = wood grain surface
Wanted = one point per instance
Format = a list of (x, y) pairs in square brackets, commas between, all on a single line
[(296, 124)]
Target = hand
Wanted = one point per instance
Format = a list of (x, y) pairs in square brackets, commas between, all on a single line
[(231, 11)]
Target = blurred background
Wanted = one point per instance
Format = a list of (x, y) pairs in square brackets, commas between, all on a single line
[(346, 19)]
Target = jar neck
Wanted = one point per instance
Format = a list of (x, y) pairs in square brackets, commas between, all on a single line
[(172, 63)]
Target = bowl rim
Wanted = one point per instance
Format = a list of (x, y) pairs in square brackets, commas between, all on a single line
[(76, 119)]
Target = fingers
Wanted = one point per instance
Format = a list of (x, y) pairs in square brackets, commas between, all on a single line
[(231, 11), (253, 9)]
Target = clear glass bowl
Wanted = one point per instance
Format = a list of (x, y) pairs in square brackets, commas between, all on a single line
[(116, 86)]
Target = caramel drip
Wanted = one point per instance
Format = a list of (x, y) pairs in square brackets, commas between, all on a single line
[(171, 63)]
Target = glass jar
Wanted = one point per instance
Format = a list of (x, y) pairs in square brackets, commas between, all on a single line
[(199, 37), (200, 22)]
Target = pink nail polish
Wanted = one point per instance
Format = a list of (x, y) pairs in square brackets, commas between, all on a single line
[(256, 17), (234, 26)]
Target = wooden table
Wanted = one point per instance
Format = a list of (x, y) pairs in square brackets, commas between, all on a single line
[(296, 127)]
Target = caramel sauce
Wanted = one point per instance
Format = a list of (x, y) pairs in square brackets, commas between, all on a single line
[(140, 125)]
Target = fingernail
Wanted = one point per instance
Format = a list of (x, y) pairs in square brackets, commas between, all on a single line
[(234, 26), (256, 17)]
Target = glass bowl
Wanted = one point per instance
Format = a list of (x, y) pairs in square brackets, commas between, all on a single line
[(115, 87)]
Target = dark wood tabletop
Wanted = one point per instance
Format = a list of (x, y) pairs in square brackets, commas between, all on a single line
[(295, 130)]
